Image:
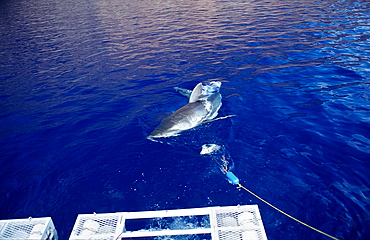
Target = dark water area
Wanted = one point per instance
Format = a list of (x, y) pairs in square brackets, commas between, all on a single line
[(82, 83)]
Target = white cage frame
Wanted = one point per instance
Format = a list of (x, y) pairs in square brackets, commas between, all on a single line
[(225, 223)]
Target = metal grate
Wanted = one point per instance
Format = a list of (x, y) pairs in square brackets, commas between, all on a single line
[(97, 226), (239, 223), (32, 228)]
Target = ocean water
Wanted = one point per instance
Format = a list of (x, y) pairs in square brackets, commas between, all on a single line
[(82, 83)]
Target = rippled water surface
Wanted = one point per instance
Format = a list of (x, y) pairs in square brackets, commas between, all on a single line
[(82, 83)]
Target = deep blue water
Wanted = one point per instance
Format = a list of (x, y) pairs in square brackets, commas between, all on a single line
[(82, 83)]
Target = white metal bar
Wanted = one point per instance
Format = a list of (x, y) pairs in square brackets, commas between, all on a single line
[(213, 223), (165, 233), (184, 212), (167, 213)]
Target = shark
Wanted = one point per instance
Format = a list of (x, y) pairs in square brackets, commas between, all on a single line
[(204, 103)]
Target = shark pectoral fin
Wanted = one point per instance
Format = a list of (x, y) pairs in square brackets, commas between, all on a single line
[(183, 91), (219, 118), (196, 93), (152, 139)]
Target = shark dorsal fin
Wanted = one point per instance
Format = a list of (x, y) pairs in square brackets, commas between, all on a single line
[(196, 93)]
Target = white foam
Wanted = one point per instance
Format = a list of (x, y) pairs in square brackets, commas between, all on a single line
[(209, 148)]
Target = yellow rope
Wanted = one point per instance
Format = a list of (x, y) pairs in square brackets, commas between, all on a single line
[(305, 224)]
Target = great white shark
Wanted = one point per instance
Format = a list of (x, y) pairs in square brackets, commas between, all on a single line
[(203, 106)]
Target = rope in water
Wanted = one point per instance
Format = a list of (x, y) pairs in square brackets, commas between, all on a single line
[(235, 181), (305, 224)]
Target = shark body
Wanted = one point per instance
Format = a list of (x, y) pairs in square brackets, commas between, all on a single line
[(204, 103)]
